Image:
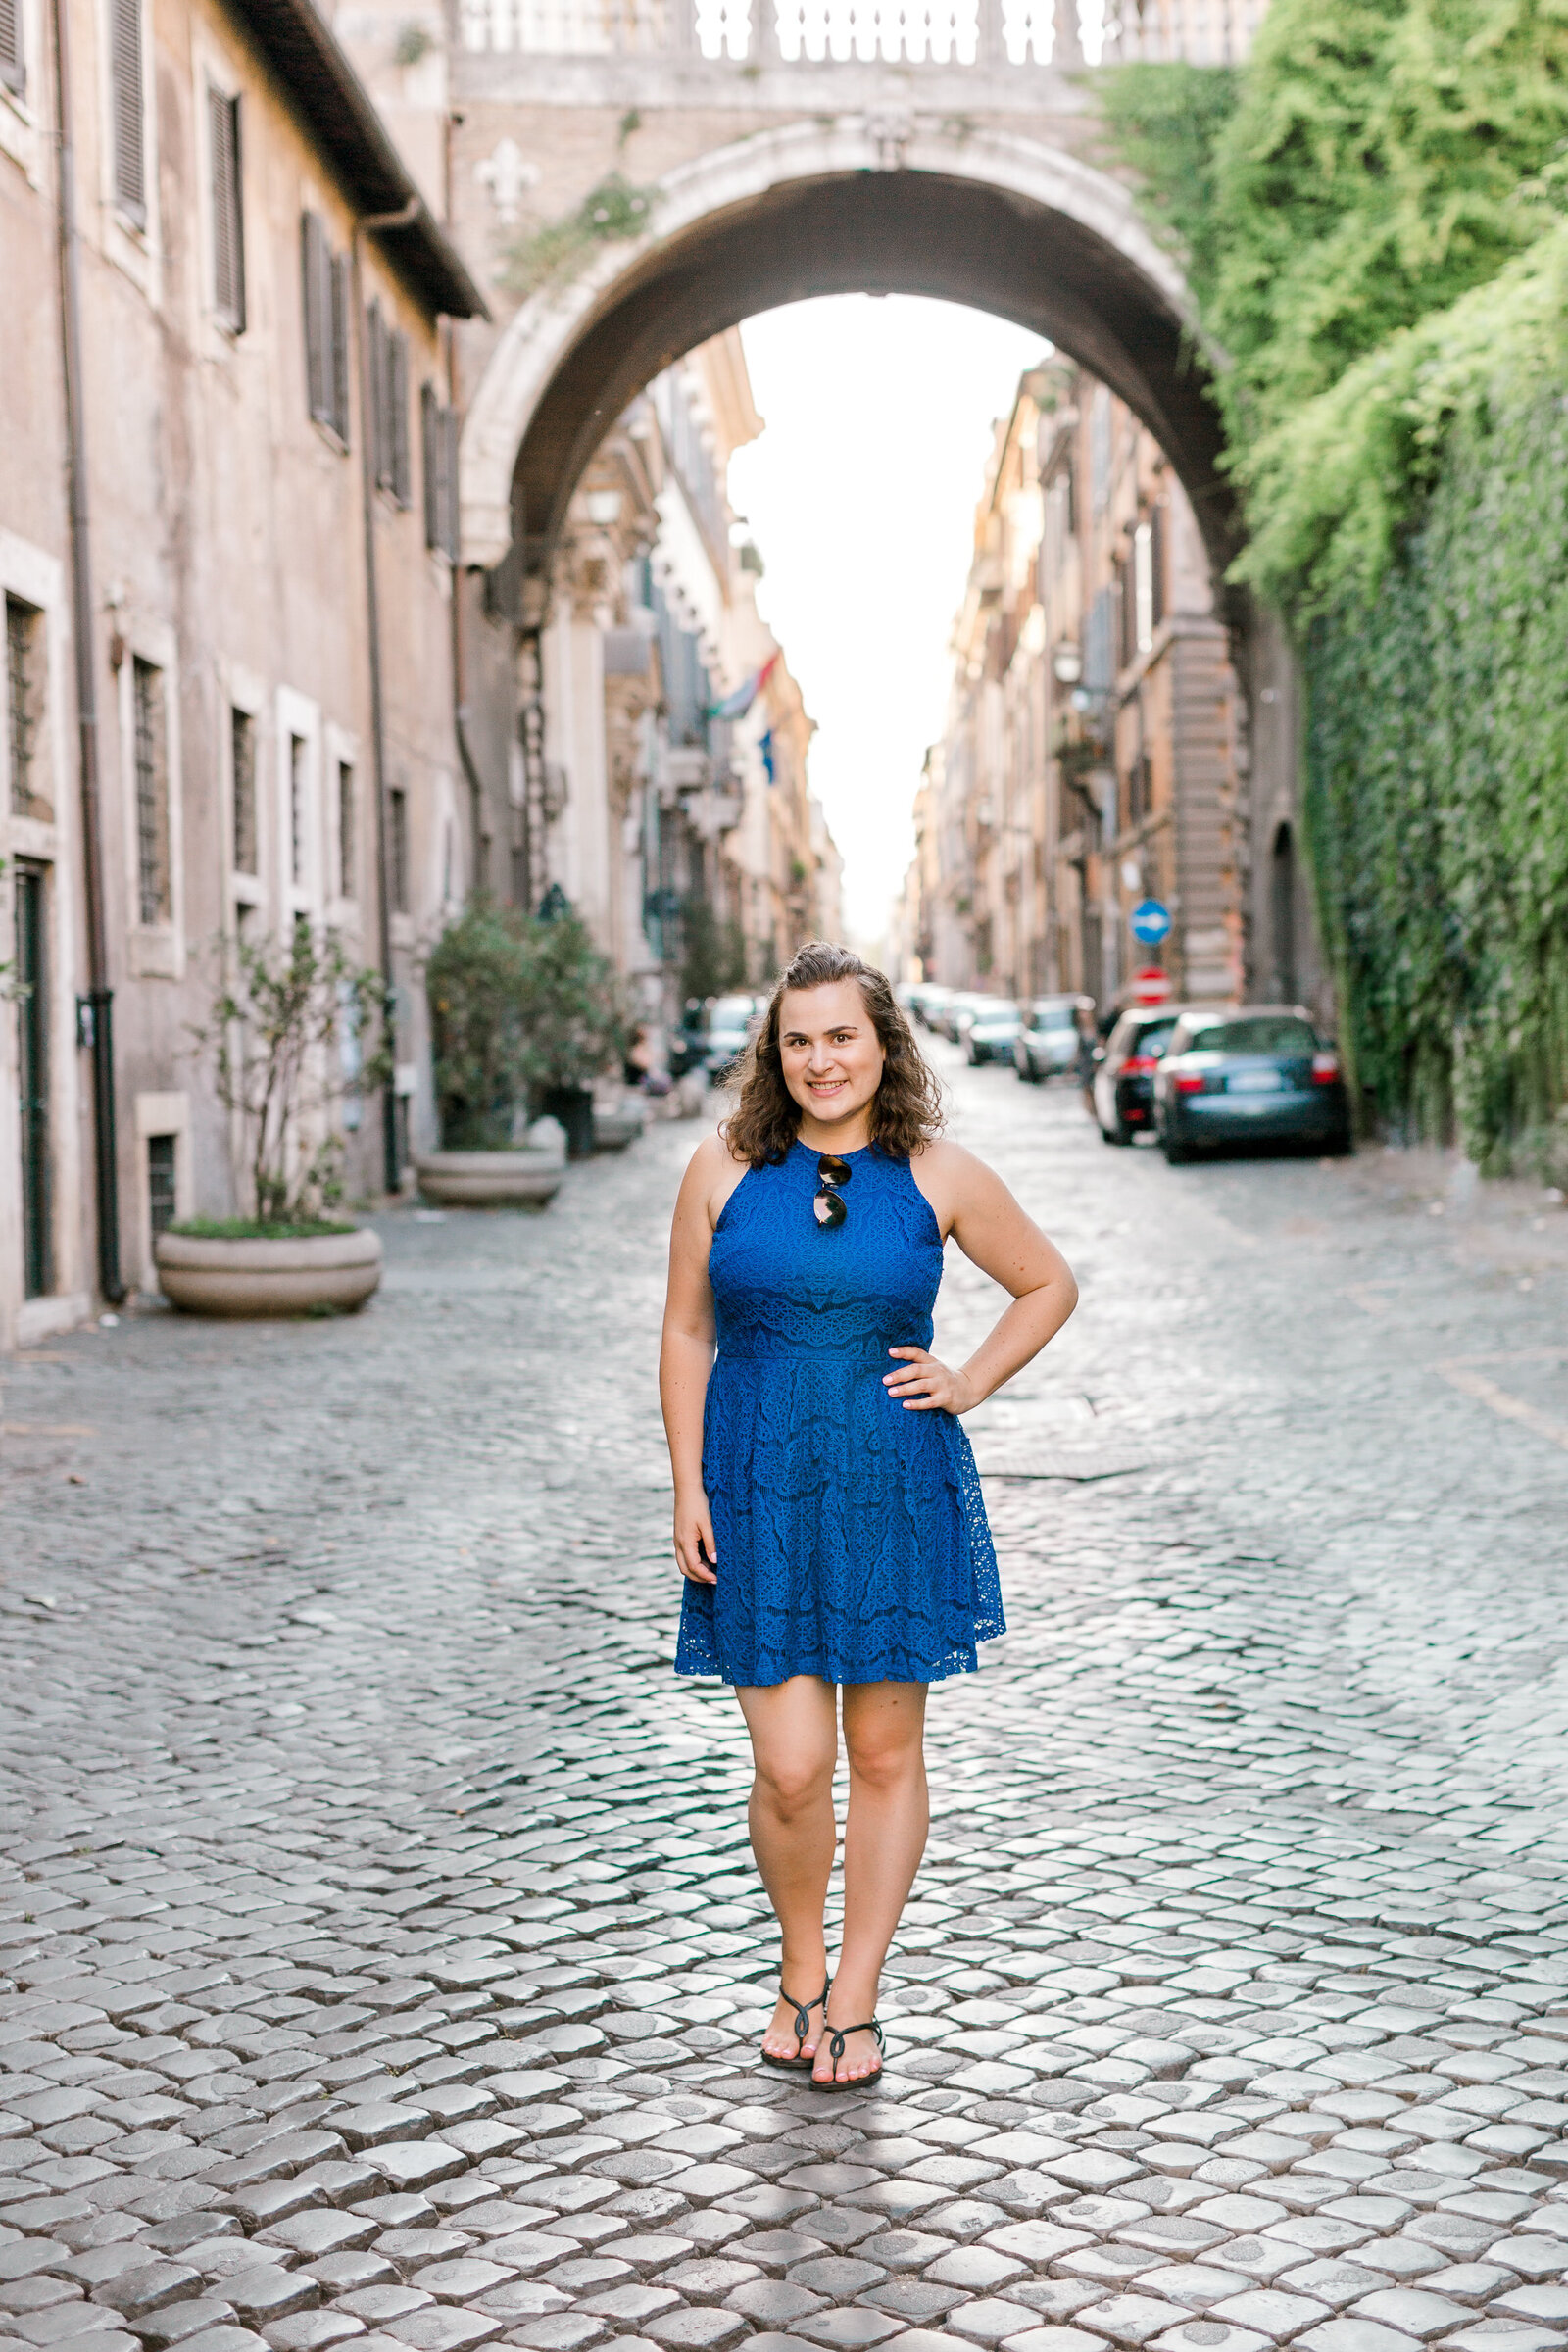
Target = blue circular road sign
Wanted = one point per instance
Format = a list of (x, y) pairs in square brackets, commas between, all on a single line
[(1151, 922)]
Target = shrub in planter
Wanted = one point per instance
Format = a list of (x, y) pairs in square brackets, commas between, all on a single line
[(477, 979), (575, 1024), (296, 1031), (524, 1013)]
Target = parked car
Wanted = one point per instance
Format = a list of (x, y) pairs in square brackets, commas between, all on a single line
[(963, 1009), (1123, 1092), (925, 998), (1255, 1073), (728, 1033), (990, 1035), (1051, 1036)]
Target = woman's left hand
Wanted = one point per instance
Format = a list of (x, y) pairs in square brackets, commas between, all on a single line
[(922, 1385)]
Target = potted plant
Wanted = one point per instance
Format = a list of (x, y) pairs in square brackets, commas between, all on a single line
[(477, 979), (296, 1031), (574, 1023)]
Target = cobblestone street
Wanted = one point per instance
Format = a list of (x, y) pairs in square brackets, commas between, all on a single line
[(380, 1955)]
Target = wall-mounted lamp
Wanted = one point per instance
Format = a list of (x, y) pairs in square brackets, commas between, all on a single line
[(1067, 665), (604, 506)]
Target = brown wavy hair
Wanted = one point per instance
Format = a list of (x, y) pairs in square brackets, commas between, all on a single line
[(907, 1107)]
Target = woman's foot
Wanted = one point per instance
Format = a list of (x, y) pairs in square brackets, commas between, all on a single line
[(846, 2053), (784, 2043)]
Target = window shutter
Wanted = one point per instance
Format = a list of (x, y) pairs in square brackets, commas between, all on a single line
[(229, 220), (13, 71), (317, 324), (447, 437), (338, 279), (429, 463), (377, 422), (129, 109), (397, 386)]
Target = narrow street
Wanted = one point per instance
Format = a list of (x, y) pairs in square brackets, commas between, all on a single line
[(379, 1949)]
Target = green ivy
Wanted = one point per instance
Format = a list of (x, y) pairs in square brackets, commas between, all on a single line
[(1438, 796), (611, 211)]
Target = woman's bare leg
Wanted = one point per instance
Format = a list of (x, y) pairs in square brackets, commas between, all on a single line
[(884, 1729), (794, 1748)]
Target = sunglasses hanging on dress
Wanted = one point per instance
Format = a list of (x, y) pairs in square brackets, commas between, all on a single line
[(831, 1173)]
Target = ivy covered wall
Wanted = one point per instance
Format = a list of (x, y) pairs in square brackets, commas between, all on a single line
[(1371, 212)]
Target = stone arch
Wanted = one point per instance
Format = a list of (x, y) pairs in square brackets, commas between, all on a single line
[(886, 203)]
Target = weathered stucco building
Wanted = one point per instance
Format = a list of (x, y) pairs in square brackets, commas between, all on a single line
[(1096, 752)]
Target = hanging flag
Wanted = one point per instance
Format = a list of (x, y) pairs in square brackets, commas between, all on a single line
[(765, 746), (736, 704)]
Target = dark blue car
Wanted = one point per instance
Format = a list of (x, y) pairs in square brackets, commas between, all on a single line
[(1256, 1074)]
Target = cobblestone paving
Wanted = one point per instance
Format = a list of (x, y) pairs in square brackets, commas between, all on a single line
[(379, 1952)]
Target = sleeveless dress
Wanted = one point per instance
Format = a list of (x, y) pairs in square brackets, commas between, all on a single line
[(853, 1540)]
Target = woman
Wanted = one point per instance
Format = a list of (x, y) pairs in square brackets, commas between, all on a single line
[(828, 1516)]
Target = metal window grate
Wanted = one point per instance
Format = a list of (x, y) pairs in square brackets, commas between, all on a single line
[(229, 220), (398, 846), (128, 108), (161, 1168), (347, 839), (152, 792), (33, 1076), (296, 808), (242, 736), (24, 704)]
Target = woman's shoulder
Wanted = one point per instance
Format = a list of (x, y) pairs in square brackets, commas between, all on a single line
[(947, 1161)]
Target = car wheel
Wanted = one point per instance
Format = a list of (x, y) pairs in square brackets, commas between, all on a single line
[(1339, 1145), (1115, 1135), (1177, 1156)]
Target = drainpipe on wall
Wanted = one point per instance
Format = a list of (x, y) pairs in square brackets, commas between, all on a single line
[(100, 996), (460, 708), (391, 1170)]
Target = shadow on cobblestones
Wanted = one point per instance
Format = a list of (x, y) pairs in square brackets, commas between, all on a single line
[(380, 1955)]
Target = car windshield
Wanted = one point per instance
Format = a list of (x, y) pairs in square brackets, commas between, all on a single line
[(1053, 1016), (1268, 1033), (1151, 1041)]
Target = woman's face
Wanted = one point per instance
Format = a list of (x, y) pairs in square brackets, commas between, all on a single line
[(831, 1055)]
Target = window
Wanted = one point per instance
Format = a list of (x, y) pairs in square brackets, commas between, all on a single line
[(1144, 588), (346, 847), (13, 69), (296, 807), (438, 432), (25, 708), (389, 405), (242, 736), (1156, 563), (152, 791), (228, 223), (325, 280), (127, 110), (399, 847), (161, 1150)]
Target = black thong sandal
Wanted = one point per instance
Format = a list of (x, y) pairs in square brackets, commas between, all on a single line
[(835, 2051), (802, 2027)]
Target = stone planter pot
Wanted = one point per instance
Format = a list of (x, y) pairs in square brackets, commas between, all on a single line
[(524, 1178), (615, 1128), (320, 1272)]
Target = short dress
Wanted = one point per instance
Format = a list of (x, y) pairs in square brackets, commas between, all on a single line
[(852, 1534)]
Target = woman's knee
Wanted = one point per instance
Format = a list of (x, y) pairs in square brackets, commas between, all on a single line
[(885, 1758), (791, 1782)]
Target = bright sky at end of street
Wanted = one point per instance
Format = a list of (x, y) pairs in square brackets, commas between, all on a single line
[(860, 496)]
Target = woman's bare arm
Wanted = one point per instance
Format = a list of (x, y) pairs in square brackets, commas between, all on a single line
[(686, 1354), (970, 1202)]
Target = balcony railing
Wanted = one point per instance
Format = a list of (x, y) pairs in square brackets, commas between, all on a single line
[(988, 35)]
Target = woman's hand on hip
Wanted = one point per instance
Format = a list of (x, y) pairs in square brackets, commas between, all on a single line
[(695, 1547), (922, 1385)]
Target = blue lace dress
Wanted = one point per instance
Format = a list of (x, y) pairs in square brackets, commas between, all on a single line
[(852, 1535)]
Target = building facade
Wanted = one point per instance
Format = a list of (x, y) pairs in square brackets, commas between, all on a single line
[(226, 542), (1095, 754)]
